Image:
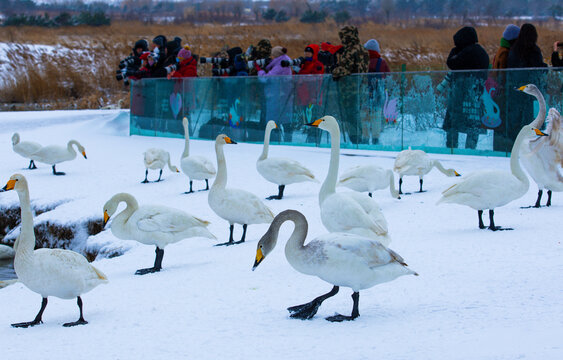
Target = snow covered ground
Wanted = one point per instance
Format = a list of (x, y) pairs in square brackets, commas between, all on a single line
[(480, 295)]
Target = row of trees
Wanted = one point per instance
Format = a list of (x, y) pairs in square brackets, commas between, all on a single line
[(283, 10), (63, 19)]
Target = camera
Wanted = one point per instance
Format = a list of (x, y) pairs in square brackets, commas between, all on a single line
[(259, 62), (213, 60), (129, 61), (294, 62), (219, 72), (122, 75), (171, 68), (444, 84)]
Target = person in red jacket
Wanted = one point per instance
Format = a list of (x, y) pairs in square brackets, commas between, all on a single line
[(376, 62), (310, 62), (186, 64)]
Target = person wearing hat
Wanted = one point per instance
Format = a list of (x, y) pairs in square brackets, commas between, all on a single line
[(508, 39), (186, 64), (557, 55), (144, 70)]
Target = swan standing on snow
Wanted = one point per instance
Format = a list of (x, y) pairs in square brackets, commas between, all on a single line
[(157, 159), (195, 167), (152, 225), (49, 272), (417, 162), (280, 171), (369, 178), (54, 154), (348, 212), (543, 157), (340, 259), (234, 205), (489, 189), (25, 149)]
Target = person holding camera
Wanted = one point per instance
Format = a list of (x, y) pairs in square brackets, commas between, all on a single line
[(262, 51), (131, 63), (186, 64), (557, 55), (464, 109), (352, 58), (309, 64)]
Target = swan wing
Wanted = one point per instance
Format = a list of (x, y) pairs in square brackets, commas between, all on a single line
[(26, 148), (51, 154), (284, 171), (239, 206), (198, 166), (164, 220), (342, 213)]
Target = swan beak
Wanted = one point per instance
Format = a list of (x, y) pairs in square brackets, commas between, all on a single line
[(10, 185), (84, 154), (521, 88), (275, 126), (539, 133), (259, 258), (228, 140), (456, 173), (106, 218), (315, 123)]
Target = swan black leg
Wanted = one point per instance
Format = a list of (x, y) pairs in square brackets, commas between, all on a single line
[(206, 184), (480, 213), (492, 223), (157, 263), (32, 165), (355, 311), (159, 175), (146, 177), (548, 198), (279, 196), (81, 320), (421, 181), (369, 194), (191, 190), (243, 234), (231, 240), (400, 185), (37, 319), (308, 310), (55, 172), (540, 193)]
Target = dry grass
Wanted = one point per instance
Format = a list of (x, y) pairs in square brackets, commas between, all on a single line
[(60, 82)]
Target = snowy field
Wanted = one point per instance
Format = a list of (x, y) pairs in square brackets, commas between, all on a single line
[(480, 294)]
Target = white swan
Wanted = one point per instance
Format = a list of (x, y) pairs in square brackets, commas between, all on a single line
[(338, 258), (280, 171), (348, 212), (6, 252), (49, 272), (55, 154), (369, 178), (152, 225), (117, 106), (25, 149), (157, 159), (195, 167), (543, 157), (234, 205), (489, 189), (417, 162)]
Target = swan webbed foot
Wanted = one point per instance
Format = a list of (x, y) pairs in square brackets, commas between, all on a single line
[(147, 271), (145, 181), (32, 165), (305, 311), (274, 197), (340, 318), (228, 243), (80, 321), (189, 192), (27, 324), (58, 173), (279, 196), (499, 228)]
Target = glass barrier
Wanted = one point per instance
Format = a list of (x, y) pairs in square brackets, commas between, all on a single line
[(458, 112)]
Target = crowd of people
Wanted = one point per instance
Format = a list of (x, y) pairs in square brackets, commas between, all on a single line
[(517, 49)]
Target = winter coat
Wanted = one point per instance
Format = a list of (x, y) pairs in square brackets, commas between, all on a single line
[(467, 53), (313, 66), (262, 51), (374, 57), (275, 68), (354, 58), (500, 61), (555, 61), (518, 60), (186, 68)]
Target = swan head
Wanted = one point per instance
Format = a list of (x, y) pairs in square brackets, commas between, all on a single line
[(271, 125), (529, 89), (15, 139), (17, 182), (110, 208), (327, 123), (265, 246), (82, 150), (530, 132), (223, 139), (185, 122)]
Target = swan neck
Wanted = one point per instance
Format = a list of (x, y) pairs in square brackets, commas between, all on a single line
[(187, 142), (266, 147), (172, 168), (329, 185), (539, 120), (294, 244), (439, 166), (392, 188), (131, 206), (221, 177), (515, 160), (26, 243)]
